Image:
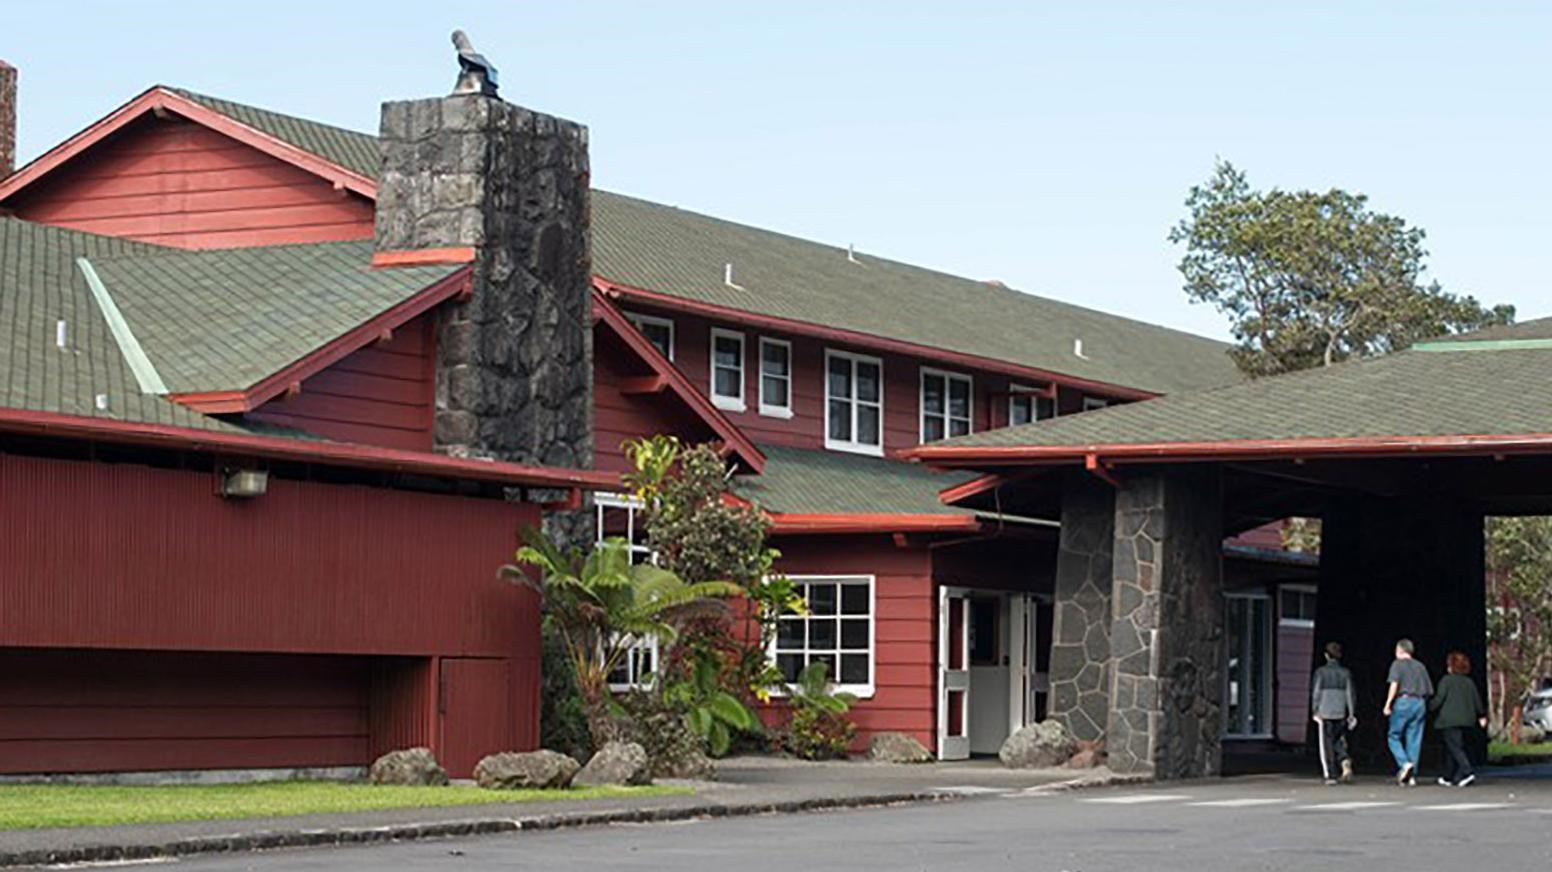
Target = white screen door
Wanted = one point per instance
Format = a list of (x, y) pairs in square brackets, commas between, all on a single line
[(953, 674)]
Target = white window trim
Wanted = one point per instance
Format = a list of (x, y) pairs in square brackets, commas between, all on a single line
[(861, 691), (921, 404), (853, 446), (767, 409), (1015, 391), (633, 505), (730, 404), (1268, 668), (638, 319), (1091, 404), (1301, 623)]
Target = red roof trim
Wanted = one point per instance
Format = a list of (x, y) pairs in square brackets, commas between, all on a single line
[(1246, 449), (974, 487), (448, 255), (865, 340), (676, 381), (159, 98), (320, 358), (795, 524), (28, 422)]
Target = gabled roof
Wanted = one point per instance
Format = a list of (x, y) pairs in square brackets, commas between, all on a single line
[(681, 256), (1469, 394)]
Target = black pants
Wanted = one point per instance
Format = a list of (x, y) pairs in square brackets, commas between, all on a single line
[(1333, 747), (1457, 763)]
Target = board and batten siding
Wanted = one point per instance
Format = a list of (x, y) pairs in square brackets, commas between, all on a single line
[(174, 182)]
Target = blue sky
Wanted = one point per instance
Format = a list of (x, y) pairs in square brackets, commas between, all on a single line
[(1048, 145)]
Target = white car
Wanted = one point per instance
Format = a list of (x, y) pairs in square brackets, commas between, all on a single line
[(1538, 711)]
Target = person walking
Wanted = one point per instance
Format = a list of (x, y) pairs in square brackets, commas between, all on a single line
[(1406, 704), (1334, 707), (1457, 708)]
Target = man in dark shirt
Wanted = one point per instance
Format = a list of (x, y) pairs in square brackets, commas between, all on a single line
[(1406, 704), (1333, 706)]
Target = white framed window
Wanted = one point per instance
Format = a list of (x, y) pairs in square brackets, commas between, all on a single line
[(659, 331), (854, 403), (947, 404), (1092, 403), (1248, 704), (1296, 605), (727, 369), (775, 377), (618, 517), (838, 630), (1026, 404)]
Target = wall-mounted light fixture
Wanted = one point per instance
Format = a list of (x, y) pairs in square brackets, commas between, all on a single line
[(244, 484)]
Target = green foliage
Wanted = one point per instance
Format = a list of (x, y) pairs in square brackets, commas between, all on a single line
[(601, 604), (1519, 609), (562, 717), (714, 714), (1311, 278), (819, 728)]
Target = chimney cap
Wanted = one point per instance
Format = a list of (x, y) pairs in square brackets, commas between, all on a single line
[(476, 74)]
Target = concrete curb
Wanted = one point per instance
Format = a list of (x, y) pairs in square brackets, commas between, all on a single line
[(308, 838)]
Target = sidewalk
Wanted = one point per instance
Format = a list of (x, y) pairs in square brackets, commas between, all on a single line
[(745, 786)]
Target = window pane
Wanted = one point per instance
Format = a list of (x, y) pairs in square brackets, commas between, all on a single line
[(821, 599), (932, 394), (728, 383), (854, 633), (959, 398), (867, 382), (958, 426), (867, 425), (840, 420), (932, 429), (659, 335), (790, 665), (775, 391), (822, 634), (854, 599), (729, 352), (839, 382), (826, 659), (854, 669), (1021, 410), (790, 633), (1045, 407), (773, 359)]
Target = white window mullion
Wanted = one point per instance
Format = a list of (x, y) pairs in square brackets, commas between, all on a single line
[(775, 374), (726, 364), (854, 403), (947, 405)]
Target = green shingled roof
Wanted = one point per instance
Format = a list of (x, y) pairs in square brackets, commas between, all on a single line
[(1471, 389), (684, 254), (807, 481)]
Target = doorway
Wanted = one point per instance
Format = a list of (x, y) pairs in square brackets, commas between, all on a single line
[(994, 650)]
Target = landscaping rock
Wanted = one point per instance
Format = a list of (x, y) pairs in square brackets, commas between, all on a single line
[(897, 748), (411, 766), (616, 763), (512, 770), (686, 764), (1038, 746)]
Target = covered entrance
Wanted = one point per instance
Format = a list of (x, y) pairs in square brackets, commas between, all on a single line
[(993, 667)]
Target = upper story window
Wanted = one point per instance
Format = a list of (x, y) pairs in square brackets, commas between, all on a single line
[(659, 331), (727, 369), (854, 402), (1026, 404), (775, 377), (946, 401), (1092, 403)]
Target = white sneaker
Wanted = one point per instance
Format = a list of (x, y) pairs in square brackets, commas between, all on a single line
[(1466, 782), (1445, 782), (1404, 775)]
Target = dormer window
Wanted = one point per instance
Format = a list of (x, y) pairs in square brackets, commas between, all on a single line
[(1026, 404)]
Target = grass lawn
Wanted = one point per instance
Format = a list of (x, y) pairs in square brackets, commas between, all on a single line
[(31, 806), (1499, 752)]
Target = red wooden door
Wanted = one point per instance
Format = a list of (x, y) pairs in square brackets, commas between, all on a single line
[(476, 711)]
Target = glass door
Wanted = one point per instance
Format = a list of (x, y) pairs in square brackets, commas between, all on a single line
[(1247, 700)]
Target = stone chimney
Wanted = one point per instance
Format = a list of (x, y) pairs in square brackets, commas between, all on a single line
[(7, 119), (472, 177)]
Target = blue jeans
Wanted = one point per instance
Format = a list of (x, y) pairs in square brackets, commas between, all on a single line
[(1406, 729)]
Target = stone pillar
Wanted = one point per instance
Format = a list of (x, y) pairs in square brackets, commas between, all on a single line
[(7, 119), (514, 361), (1080, 647), (1166, 632), (1410, 566)]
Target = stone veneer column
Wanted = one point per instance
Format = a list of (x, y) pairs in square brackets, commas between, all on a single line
[(1166, 633), (1080, 647), (514, 362)]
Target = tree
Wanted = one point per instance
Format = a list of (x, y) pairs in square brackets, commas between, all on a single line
[(601, 605), (1519, 611), (1312, 278)]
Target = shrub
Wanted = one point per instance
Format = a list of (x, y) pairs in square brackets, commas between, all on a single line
[(562, 718), (816, 734)]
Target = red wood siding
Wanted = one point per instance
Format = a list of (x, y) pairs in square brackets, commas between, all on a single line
[(620, 417), (383, 394), (1295, 664), (476, 719), (174, 182), (905, 675), (85, 711)]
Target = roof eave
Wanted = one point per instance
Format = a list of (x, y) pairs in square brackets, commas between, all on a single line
[(791, 524)]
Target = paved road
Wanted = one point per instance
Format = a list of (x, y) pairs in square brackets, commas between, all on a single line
[(1226, 826)]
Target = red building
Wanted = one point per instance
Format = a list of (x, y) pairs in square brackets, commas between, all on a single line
[(350, 608)]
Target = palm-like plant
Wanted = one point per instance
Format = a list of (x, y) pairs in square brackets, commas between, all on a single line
[(602, 605)]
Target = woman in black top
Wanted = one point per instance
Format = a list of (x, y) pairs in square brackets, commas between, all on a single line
[(1457, 707)]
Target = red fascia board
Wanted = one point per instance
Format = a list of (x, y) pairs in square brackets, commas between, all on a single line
[(864, 340), (676, 381), (326, 355), (159, 99), (348, 455), (1230, 450), (975, 487), (797, 524)]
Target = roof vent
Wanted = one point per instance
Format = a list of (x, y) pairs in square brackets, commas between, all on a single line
[(997, 283), (727, 278), (62, 334), (1077, 349), (102, 402), (851, 254)]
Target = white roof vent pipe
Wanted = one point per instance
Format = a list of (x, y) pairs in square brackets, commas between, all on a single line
[(851, 254), (62, 334), (727, 278), (1077, 349), (102, 402)]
